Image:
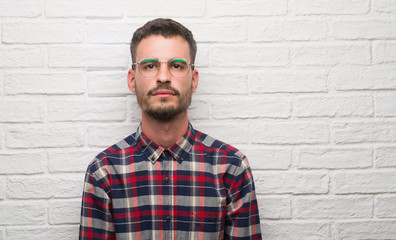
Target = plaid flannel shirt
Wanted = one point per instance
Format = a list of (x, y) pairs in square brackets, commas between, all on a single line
[(200, 188)]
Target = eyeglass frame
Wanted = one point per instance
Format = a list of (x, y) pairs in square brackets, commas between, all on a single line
[(164, 61)]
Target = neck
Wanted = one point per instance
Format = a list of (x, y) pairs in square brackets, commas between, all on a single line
[(165, 133)]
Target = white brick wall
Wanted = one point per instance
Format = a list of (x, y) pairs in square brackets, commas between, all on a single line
[(305, 88)]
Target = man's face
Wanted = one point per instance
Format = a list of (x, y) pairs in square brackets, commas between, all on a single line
[(163, 96)]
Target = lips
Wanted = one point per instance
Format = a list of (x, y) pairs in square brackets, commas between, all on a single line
[(163, 93), (163, 90)]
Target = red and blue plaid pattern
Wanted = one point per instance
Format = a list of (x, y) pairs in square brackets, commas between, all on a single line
[(200, 188)]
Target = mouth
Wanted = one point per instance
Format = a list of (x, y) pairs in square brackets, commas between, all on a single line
[(163, 93)]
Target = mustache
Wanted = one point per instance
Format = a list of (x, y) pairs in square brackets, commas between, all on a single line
[(163, 86)]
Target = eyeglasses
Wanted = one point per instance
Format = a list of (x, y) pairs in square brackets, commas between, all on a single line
[(149, 67)]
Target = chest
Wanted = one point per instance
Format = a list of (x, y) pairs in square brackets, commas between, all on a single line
[(180, 195)]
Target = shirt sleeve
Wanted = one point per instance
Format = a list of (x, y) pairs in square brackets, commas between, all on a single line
[(242, 217), (96, 215)]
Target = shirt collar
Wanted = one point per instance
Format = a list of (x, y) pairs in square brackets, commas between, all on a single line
[(179, 151)]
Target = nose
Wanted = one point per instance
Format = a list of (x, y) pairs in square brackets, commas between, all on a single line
[(163, 75)]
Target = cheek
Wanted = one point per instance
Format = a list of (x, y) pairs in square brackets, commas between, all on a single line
[(139, 90), (141, 87), (187, 84)]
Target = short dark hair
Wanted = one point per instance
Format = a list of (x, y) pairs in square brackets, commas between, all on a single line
[(167, 28)]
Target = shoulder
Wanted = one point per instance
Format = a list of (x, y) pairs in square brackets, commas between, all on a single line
[(113, 154), (219, 149)]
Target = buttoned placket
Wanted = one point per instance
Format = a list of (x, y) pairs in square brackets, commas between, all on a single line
[(166, 161)]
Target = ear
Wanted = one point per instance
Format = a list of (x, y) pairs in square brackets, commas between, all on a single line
[(131, 80), (194, 80)]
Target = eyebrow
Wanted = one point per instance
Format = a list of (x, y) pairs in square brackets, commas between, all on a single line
[(178, 60), (149, 60)]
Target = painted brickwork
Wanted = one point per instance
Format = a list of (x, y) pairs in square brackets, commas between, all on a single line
[(305, 88)]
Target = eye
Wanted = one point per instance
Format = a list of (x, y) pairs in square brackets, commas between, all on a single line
[(177, 66), (149, 66)]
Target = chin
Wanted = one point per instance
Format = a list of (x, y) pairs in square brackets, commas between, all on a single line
[(163, 114)]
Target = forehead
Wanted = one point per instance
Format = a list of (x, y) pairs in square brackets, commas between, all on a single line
[(157, 46)]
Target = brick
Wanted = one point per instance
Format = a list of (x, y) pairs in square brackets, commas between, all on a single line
[(384, 6), (22, 213), (384, 105), (2, 77), (384, 52), (287, 81), (16, 57), (222, 84), (22, 163), (202, 58), (229, 132), (2, 188), (2, 134), (109, 32), (286, 30), (364, 29), (84, 8), (12, 8), (385, 206), (43, 32), (64, 211), (291, 182), (249, 55), (44, 83), (44, 135), (21, 111), (267, 158), (88, 56), (108, 134), (208, 31), (331, 7), (274, 207), (199, 110), (64, 232), (247, 8), (171, 8), (363, 78), (292, 230), (334, 106), (251, 107), (325, 54), (87, 110), (364, 182), (70, 161), (385, 157), (334, 158), (290, 133), (363, 132), (108, 84), (37, 187), (332, 207), (374, 229)]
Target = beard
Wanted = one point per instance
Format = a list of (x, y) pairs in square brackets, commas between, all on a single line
[(165, 111)]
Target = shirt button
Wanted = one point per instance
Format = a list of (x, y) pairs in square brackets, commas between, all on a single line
[(168, 219), (167, 179)]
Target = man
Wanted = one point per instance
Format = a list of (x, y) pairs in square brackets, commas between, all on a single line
[(168, 180)]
